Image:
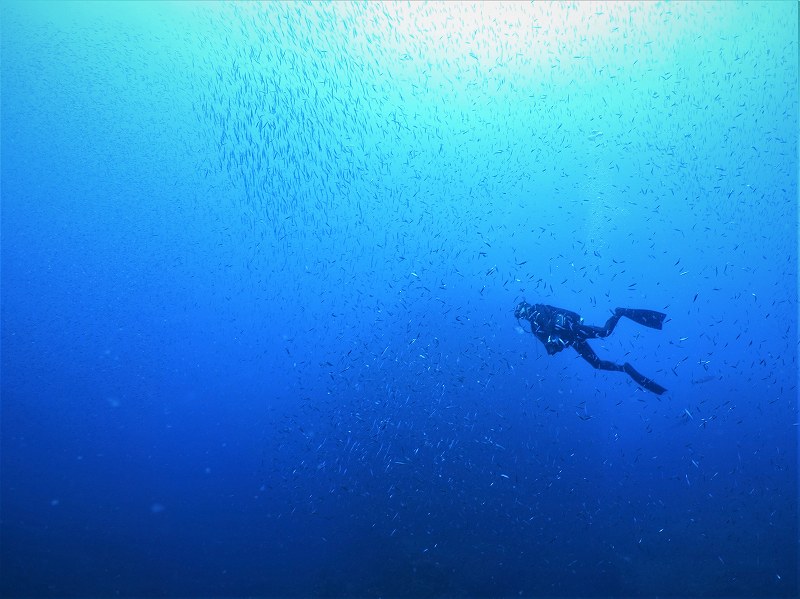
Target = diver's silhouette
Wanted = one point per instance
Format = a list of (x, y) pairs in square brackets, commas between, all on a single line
[(559, 329)]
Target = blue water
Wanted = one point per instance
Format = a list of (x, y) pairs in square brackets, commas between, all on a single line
[(259, 269)]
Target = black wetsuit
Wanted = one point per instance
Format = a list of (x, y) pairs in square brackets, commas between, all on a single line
[(558, 329)]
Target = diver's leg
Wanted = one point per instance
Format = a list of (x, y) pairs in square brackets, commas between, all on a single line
[(642, 380), (587, 331), (587, 353)]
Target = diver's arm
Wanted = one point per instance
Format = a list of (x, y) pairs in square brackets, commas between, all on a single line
[(553, 344)]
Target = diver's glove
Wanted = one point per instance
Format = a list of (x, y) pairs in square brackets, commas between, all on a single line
[(554, 344)]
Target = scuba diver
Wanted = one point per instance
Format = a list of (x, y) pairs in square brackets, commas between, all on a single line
[(559, 329)]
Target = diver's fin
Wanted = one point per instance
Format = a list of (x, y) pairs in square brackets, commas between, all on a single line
[(642, 380), (648, 318)]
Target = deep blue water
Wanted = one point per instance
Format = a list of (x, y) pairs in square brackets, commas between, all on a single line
[(259, 269)]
